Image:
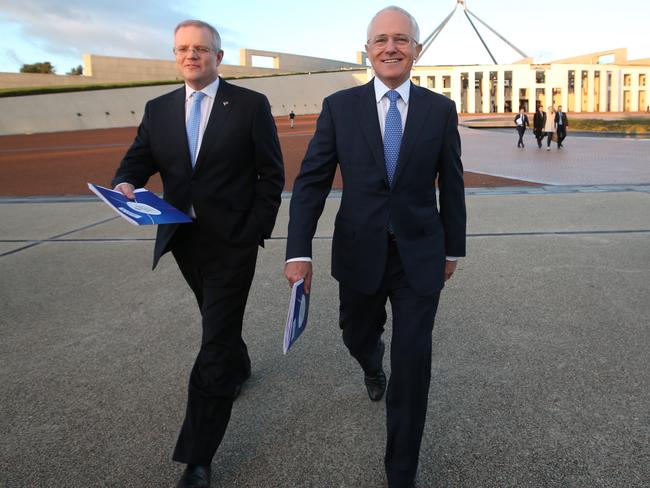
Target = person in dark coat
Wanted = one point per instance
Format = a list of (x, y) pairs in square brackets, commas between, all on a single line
[(522, 122), (539, 121), (216, 148), (561, 123)]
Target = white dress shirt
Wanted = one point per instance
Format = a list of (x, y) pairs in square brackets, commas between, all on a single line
[(206, 107)]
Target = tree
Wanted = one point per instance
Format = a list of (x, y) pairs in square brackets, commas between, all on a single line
[(44, 67), (79, 70)]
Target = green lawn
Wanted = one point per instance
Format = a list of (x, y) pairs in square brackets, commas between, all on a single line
[(629, 125)]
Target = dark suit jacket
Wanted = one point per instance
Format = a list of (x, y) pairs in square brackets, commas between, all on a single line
[(348, 133), (565, 120), (539, 121), (235, 187), (526, 123)]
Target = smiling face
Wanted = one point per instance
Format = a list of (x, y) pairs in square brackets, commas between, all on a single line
[(391, 48), (197, 69)]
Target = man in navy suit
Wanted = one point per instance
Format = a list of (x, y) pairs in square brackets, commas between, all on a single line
[(216, 148), (392, 141), (561, 123)]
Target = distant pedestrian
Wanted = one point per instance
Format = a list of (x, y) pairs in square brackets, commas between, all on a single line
[(561, 123), (292, 116), (549, 126), (539, 121), (522, 122)]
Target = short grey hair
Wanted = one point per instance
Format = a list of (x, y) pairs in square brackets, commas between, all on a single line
[(415, 29), (216, 38)]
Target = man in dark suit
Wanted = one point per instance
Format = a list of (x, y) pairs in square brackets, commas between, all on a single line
[(216, 148), (392, 140), (539, 121), (521, 121), (561, 123)]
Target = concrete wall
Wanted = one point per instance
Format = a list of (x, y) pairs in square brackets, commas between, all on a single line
[(124, 107), (112, 69), (293, 62)]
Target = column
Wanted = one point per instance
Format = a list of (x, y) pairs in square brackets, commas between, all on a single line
[(501, 92), (456, 88), (514, 89), (603, 90), (634, 92), (590, 94), (486, 92), (616, 90), (471, 92), (564, 86), (577, 91)]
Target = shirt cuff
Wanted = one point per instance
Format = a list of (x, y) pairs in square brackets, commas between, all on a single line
[(293, 260), (451, 258)]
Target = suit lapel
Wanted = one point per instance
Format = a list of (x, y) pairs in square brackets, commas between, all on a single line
[(367, 112), (417, 114), (178, 129), (218, 115)]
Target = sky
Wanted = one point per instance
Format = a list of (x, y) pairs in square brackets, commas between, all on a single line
[(61, 32)]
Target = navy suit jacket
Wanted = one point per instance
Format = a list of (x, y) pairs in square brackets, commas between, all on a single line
[(235, 187), (348, 135)]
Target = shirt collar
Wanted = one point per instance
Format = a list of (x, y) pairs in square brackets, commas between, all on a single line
[(404, 90), (210, 90)]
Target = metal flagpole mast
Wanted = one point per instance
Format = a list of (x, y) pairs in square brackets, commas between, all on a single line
[(432, 37), (523, 54), (479, 36)]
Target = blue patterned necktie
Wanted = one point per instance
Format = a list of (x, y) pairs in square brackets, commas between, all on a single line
[(392, 135), (193, 124)]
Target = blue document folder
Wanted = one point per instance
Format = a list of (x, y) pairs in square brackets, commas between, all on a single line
[(147, 208), (297, 316)]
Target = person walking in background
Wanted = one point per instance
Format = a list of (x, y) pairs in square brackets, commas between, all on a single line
[(549, 126), (539, 121), (522, 122), (561, 123), (292, 116), (392, 240), (216, 148)]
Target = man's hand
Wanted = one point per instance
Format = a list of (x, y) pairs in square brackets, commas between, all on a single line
[(450, 267), (295, 270), (126, 189)]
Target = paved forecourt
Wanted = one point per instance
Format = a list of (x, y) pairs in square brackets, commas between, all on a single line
[(539, 371)]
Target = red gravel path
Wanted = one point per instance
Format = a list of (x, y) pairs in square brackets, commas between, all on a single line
[(61, 163)]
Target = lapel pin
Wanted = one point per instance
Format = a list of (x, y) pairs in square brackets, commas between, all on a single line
[(225, 103)]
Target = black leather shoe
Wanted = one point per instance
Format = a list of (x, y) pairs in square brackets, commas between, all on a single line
[(239, 386), (195, 476), (376, 385)]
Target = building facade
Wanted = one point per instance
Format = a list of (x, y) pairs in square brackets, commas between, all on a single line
[(600, 82)]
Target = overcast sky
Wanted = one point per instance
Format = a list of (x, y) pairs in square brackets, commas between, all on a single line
[(62, 31)]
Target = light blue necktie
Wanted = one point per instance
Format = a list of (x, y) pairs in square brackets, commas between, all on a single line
[(193, 124), (392, 135)]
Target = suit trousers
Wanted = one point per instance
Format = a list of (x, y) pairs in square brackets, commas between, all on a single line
[(362, 318), (220, 276), (561, 134), (521, 130)]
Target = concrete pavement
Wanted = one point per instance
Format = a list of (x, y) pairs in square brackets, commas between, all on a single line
[(540, 370)]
